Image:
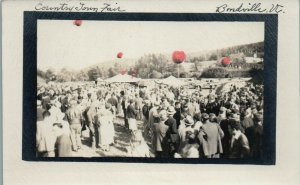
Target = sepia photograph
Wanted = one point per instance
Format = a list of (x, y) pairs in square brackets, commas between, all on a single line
[(163, 92), (150, 89)]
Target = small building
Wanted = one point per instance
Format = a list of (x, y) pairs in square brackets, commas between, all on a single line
[(188, 67), (253, 59), (206, 64)]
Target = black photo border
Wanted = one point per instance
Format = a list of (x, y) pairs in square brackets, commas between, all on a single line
[(30, 79)]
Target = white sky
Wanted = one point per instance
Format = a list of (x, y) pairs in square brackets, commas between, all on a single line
[(62, 44)]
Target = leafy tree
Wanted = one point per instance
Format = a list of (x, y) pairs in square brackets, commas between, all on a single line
[(214, 73), (93, 74), (41, 73), (213, 56), (112, 72), (156, 75), (50, 74), (257, 75)]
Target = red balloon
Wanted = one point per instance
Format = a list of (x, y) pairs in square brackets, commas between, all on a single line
[(78, 22), (120, 55), (123, 71), (178, 57), (226, 61)]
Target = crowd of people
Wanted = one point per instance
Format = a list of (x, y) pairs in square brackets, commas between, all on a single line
[(161, 121)]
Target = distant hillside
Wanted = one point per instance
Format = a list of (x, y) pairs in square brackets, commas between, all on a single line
[(154, 65), (108, 64)]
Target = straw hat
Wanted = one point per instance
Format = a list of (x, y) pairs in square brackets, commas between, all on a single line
[(205, 116), (171, 110), (189, 120)]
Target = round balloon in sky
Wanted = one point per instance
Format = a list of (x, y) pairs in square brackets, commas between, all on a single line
[(178, 57)]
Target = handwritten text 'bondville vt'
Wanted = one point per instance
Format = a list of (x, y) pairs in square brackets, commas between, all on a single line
[(250, 7)]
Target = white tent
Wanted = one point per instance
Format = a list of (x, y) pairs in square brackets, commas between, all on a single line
[(122, 79), (172, 81), (227, 86)]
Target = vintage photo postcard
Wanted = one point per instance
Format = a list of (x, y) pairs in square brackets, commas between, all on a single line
[(116, 86), (100, 82)]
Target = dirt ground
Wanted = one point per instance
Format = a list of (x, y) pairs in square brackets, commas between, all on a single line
[(119, 149)]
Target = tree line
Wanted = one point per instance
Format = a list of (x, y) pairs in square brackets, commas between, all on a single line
[(161, 66)]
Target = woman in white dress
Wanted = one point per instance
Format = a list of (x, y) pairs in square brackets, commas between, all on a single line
[(105, 127)]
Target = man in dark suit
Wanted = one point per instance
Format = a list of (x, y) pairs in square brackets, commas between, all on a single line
[(177, 115), (131, 115), (113, 101), (63, 142), (124, 107), (255, 136), (210, 136), (172, 133), (160, 143), (212, 106), (239, 142)]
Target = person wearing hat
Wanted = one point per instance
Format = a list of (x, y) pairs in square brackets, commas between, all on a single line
[(239, 146), (145, 110), (39, 111), (232, 104), (90, 115), (104, 122), (213, 118), (172, 134), (255, 137), (244, 102), (185, 125), (212, 106), (210, 136), (198, 124), (114, 102), (224, 124), (45, 138), (191, 106), (63, 145), (131, 115), (247, 121), (191, 148), (74, 117), (159, 143), (177, 115), (54, 109), (138, 106), (203, 105), (124, 105), (222, 114), (153, 114)]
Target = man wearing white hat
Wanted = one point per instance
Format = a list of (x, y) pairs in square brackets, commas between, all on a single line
[(172, 133), (186, 125)]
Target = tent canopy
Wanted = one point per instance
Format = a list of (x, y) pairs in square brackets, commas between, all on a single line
[(122, 79), (171, 80)]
